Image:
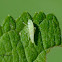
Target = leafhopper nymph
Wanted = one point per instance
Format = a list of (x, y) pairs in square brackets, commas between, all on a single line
[(31, 30)]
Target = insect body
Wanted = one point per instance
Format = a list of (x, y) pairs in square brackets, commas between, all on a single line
[(31, 30)]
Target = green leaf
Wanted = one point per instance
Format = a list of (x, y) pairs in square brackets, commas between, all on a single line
[(23, 42), (38, 18), (41, 57), (9, 24), (22, 21), (50, 31)]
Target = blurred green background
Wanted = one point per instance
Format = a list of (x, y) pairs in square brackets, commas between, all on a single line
[(16, 7)]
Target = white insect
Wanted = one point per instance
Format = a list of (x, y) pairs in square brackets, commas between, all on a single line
[(31, 30)]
